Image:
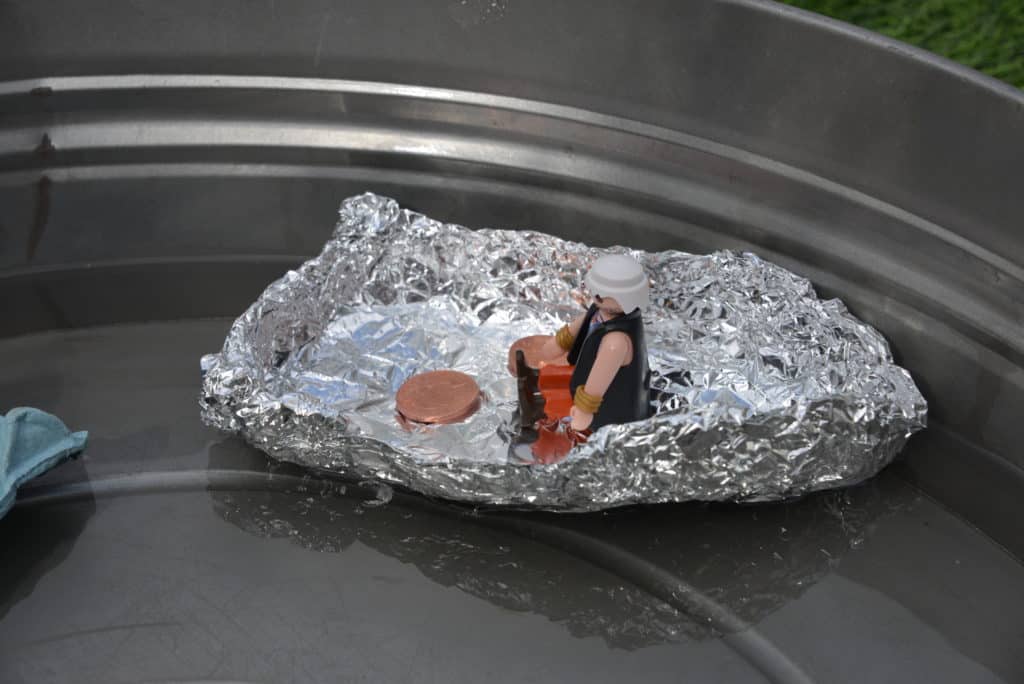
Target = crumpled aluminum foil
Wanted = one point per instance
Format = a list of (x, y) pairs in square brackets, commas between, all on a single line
[(766, 391)]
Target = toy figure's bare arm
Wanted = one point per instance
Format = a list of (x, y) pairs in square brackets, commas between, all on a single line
[(616, 351), (613, 354), (551, 349)]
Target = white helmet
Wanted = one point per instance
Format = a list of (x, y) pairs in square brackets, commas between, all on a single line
[(622, 277)]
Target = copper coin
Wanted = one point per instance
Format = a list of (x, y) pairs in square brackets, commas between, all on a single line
[(443, 396), (531, 347)]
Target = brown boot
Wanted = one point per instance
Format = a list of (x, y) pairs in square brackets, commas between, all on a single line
[(531, 401)]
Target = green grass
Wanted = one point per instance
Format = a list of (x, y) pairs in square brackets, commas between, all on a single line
[(987, 35)]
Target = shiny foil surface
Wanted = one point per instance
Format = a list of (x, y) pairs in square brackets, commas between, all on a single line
[(763, 390)]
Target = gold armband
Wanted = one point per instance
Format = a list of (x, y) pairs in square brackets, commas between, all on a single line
[(586, 402), (564, 338)]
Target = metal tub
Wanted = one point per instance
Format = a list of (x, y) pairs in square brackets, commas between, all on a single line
[(161, 163)]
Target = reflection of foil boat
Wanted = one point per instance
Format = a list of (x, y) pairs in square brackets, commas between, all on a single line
[(734, 568)]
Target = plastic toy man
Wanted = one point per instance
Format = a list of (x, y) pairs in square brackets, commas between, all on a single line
[(610, 378)]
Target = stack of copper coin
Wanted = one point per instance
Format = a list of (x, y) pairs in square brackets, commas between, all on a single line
[(438, 397), (531, 347)]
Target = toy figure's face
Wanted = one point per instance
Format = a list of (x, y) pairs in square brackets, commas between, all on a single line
[(608, 306)]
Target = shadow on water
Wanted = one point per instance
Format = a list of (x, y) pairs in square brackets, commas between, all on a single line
[(35, 539), (748, 559)]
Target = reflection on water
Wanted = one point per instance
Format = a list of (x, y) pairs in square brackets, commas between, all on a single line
[(750, 559), (35, 539)]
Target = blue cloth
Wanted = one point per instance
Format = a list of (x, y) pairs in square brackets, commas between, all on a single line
[(31, 442)]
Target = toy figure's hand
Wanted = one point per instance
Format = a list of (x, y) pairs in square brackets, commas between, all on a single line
[(581, 419)]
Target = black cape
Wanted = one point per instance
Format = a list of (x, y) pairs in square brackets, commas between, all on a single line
[(628, 397)]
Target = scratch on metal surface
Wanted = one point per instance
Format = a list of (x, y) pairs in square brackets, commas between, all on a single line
[(97, 630), (41, 215), (320, 40)]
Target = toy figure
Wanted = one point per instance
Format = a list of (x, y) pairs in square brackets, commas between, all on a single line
[(608, 380)]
